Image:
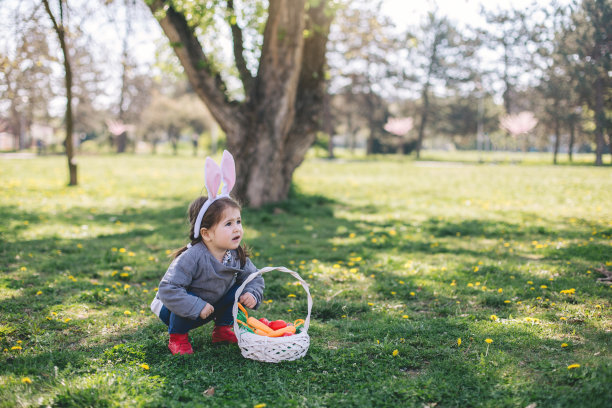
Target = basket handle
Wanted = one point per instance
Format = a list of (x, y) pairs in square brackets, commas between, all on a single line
[(261, 272)]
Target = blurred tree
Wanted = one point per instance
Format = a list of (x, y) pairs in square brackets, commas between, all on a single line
[(587, 41), (279, 57), (438, 55), (61, 31), (557, 84), (361, 53), (25, 85), (166, 117), (510, 36)]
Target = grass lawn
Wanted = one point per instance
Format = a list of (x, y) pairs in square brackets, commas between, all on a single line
[(412, 267)]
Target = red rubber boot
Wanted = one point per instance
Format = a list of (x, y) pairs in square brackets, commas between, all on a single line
[(179, 344), (223, 334)]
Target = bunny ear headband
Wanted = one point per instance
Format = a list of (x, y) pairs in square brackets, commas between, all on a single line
[(213, 176)]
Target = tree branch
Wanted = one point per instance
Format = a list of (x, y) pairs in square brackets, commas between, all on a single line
[(208, 84), (245, 74)]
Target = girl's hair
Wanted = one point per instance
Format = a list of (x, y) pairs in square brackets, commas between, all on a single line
[(211, 218)]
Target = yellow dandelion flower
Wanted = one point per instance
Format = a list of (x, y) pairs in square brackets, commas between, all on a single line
[(122, 250), (489, 341), (530, 282), (493, 317), (39, 293), (131, 253), (564, 345), (23, 269), (370, 304), (543, 287), (259, 406), (500, 290), (395, 352), (571, 366), (470, 285), (127, 313), (79, 246), (126, 286), (459, 342), (393, 293), (392, 233), (412, 294), (16, 348), (405, 316), (66, 320), (26, 380), (124, 274), (476, 269), (563, 318), (291, 295), (145, 291), (507, 301), (352, 235), (336, 266), (145, 366), (114, 249)]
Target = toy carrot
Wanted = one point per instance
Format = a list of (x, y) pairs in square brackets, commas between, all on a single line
[(256, 324), (280, 332)]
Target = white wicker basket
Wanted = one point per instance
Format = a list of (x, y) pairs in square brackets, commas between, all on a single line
[(272, 349)]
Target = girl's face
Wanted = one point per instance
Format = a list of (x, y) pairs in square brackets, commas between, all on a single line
[(225, 235)]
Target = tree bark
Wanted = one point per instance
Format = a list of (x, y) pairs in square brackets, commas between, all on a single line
[(572, 138), (600, 117), (68, 142), (424, 115), (270, 132), (557, 136)]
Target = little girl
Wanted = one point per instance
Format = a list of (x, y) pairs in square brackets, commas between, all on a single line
[(201, 282)]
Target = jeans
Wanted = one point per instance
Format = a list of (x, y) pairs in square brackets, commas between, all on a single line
[(222, 315)]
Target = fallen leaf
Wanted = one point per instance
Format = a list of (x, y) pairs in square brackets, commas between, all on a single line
[(209, 392)]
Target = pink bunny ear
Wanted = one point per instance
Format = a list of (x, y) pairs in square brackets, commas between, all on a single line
[(228, 169), (213, 178)]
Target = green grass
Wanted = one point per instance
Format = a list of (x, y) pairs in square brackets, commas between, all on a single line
[(402, 258)]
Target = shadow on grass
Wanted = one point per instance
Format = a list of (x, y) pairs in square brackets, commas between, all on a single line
[(354, 364)]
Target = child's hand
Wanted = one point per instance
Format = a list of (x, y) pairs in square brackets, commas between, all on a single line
[(248, 300), (207, 311)]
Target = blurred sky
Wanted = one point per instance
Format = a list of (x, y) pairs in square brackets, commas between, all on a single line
[(463, 12)]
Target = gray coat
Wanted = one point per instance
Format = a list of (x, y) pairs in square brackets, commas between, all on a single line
[(197, 271)]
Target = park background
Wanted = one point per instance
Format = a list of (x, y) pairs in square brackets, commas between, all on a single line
[(439, 176)]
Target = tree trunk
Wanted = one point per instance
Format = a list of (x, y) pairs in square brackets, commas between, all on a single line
[(329, 127), (600, 117), (68, 142), (121, 142), (270, 132), (557, 138), (507, 95), (424, 115), (570, 147)]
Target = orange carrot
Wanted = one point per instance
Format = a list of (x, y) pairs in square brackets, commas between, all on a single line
[(256, 324), (280, 332)]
